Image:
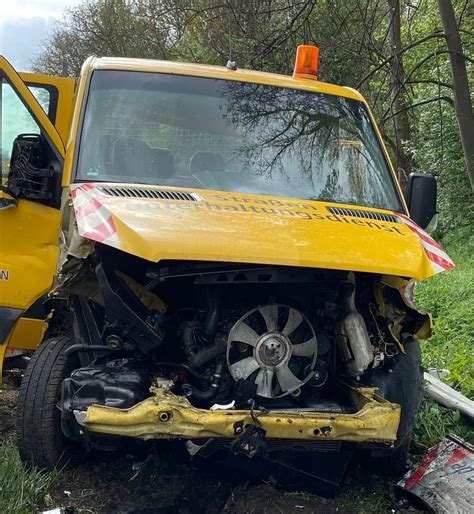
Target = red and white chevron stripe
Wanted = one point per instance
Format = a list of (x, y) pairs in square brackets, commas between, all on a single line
[(439, 258), (94, 220)]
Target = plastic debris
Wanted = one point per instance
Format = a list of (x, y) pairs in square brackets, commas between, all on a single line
[(227, 406), (447, 396), (444, 478), (138, 467), (442, 373), (58, 510)]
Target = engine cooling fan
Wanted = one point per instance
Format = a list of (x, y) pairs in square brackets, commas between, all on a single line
[(275, 347)]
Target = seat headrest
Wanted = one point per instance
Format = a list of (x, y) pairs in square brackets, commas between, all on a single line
[(162, 162), (206, 161), (130, 157)]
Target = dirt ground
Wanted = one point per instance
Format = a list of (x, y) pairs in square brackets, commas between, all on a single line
[(8, 394), (161, 479)]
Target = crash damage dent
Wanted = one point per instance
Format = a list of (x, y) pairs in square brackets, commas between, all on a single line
[(225, 227), (366, 319), (422, 322), (72, 277), (167, 416)]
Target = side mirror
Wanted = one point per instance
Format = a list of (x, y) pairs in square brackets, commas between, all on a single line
[(28, 177), (421, 198)]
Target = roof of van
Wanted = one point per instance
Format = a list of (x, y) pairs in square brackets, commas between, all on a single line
[(219, 72)]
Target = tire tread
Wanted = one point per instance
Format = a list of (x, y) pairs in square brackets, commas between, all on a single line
[(39, 437)]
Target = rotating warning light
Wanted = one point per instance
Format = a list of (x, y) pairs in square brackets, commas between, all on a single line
[(306, 64)]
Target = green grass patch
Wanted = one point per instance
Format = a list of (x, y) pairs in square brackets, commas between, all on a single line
[(450, 299), (21, 489), (435, 422)]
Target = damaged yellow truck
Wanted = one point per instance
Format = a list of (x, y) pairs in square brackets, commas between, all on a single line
[(235, 266)]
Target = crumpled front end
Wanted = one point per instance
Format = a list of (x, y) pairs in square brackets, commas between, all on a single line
[(248, 328)]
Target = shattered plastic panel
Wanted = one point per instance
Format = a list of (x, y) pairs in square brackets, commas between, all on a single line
[(444, 479)]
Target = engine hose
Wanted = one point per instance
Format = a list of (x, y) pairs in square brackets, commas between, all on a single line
[(198, 358), (87, 348), (211, 391), (213, 314), (187, 368)]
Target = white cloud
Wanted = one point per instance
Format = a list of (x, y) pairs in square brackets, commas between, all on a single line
[(14, 9), (20, 39), (24, 24)]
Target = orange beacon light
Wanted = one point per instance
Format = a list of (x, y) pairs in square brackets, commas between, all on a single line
[(306, 64)]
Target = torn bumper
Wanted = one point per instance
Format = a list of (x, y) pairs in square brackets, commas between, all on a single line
[(167, 416)]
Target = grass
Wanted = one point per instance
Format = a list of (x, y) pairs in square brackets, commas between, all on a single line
[(435, 422), (21, 489), (450, 299)]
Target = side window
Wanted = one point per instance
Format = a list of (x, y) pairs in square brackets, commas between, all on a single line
[(14, 120), (43, 97)]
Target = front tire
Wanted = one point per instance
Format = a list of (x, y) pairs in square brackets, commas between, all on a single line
[(40, 439)]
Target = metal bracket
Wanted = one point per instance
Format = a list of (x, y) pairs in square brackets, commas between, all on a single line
[(121, 304), (250, 439)]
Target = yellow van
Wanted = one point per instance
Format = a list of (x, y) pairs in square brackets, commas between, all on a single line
[(237, 258)]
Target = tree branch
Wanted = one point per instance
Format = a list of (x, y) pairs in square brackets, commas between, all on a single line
[(417, 66), (403, 50), (417, 104), (430, 81)]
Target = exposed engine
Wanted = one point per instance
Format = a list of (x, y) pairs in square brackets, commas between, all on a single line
[(271, 348), (228, 334)]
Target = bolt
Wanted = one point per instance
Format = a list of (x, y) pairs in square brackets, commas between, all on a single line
[(165, 416), (114, 342)]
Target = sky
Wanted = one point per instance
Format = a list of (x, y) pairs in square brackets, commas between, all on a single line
[(24, 24)]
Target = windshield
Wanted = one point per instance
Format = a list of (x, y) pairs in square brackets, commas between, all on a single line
[(201, 133)]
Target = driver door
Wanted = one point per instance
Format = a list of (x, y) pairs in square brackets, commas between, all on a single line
[(29, 215)]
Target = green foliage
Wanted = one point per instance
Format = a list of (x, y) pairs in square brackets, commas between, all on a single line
[(21, 489), (437, 149), (119, 28)]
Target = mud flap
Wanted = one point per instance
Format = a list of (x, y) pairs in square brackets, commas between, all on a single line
[(8, 317)]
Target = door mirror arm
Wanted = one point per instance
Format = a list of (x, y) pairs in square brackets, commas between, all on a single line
[(7, 199)]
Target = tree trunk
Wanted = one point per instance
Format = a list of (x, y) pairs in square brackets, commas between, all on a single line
[(404, 160), (462, 98)]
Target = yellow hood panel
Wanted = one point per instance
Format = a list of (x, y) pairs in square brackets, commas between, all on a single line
[(232, 227)]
